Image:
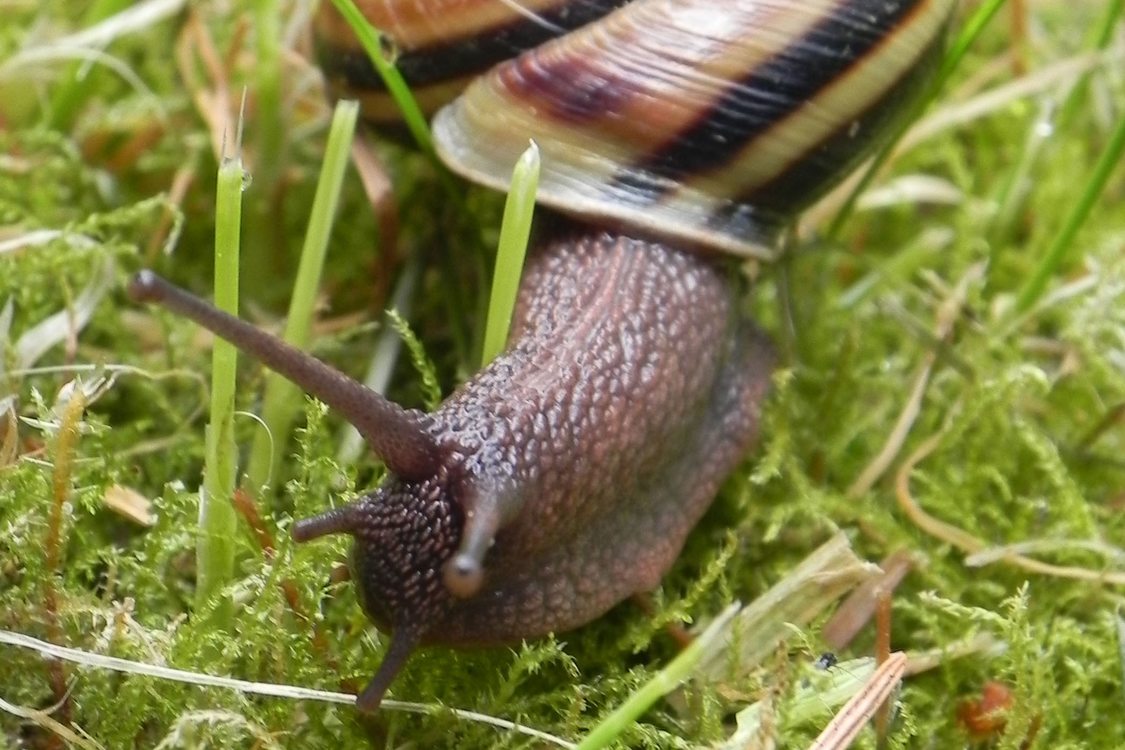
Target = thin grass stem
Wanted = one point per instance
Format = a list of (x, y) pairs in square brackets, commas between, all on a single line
[(1102, 35), (665, 681), (269, 130), (1060, 247), (381, 364), (515, 229), (282, 399), (952, 59), (217, 521), (371, 40), (76, 83)]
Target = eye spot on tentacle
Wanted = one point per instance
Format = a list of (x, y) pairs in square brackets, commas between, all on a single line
[(463, 575)]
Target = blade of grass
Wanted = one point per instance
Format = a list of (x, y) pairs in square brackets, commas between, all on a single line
[(966, 38), (371, 40), (1060, 247), (823, 577), (1120, 645), (1014, 191), (76, 82), (282, 399), (952, 59), (267, 66), (265, 241), (1101, 36), (514, 232), (383, 358), (665, 681), (373, 44), (217, 522)]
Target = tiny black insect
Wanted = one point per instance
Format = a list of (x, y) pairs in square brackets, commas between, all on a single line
[(827, 660)]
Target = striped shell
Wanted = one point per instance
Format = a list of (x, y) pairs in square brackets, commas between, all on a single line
[(708, 121), (439, 46)]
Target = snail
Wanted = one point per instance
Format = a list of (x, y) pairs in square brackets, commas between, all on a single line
[(677, 137)]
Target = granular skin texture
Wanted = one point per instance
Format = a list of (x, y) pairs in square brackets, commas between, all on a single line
[(630, 391)]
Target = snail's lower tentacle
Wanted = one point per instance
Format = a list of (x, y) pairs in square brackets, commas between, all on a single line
[(403, 642), (340, 520)]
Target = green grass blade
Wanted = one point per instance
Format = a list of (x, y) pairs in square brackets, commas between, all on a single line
[(381, 364), (1013, 193), (966, 38), (665, 681), (514, 232), (952, 59), (77, 82), (1060, 247), (370, 39), (1101, 36), (1103, 32), (282, 399), (217, 523), (270, 130)]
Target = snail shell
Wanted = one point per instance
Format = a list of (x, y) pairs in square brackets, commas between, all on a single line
[(439, 46), (709, 121)]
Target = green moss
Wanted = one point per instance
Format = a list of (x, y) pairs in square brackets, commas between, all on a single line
[(1027, 409)]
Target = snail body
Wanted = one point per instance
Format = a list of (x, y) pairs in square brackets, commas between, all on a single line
[(565, 476), (538, 496)]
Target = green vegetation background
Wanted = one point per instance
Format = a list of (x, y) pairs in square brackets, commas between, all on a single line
[(1028, 407)]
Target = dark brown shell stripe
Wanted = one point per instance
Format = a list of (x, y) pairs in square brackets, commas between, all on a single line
[(771, 92), (673, 115), (441, 44), (768, 206), (884, 55)]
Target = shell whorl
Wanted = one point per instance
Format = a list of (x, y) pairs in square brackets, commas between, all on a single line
[(440, 46), (709, 121)]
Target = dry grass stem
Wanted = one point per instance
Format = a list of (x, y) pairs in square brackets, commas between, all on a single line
[(947, 314), (44, 720), (291, 692), (821, 579), (856, 611), (973, 546), (855, 714), (215, 103), (128, 503)]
